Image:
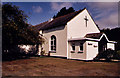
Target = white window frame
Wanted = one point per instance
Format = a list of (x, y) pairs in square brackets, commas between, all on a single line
[(72, 46), (53, 44), (81, 44)]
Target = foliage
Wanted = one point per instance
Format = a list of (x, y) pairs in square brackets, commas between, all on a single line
[(113, 34), (32, 51), (42, 52), (12, 54), (118, 52), (64, 11), (108, 55), (16, 30)]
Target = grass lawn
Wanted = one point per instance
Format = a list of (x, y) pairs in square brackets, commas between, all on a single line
[(49, 66)]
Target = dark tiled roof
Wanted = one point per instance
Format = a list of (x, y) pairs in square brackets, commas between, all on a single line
[(94, 35), (60, 21), (39, 26)]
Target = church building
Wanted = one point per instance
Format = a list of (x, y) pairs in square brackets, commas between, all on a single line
[(75, 36)]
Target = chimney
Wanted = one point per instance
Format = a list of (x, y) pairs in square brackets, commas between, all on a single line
[(50, 19)]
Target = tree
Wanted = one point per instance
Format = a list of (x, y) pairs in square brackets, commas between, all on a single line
[(113, 34), (64, 11), (15, 29), (70, 10)]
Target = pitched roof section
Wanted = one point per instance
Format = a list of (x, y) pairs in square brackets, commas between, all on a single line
[(94, 35), (60, 21), (40, 26)]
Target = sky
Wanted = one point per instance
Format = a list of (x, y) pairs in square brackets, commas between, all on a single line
[(105, 14)]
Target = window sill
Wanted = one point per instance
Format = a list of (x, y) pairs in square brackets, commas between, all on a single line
[(52, 51), (72, 51), (80, 51)]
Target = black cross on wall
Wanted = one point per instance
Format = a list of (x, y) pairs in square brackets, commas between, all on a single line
[(86, 20)]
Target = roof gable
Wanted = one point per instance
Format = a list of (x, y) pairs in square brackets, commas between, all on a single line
[(98, 36), (93, 37)]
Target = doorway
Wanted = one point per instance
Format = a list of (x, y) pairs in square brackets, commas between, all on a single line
[(102, 44)]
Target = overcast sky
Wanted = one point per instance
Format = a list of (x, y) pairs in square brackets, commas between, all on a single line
[(105, 14)]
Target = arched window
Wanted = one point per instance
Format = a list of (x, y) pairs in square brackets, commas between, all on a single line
[(53, 43)]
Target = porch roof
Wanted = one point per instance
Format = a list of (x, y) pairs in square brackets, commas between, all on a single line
[(80, 39), (92, 37)]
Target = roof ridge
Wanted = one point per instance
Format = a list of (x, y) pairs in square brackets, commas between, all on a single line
[(62, 16), (71, 13), (59, 21)]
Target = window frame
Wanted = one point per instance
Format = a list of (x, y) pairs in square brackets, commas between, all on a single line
[(73, 50), (81, 47), (53, 43)]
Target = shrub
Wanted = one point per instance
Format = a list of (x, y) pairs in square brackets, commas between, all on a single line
[(12, 54), (108, 55)]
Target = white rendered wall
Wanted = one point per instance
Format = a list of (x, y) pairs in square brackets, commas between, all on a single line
[(61, 41), (76, 54), (91, 50), (77, 26), (111, 46)]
